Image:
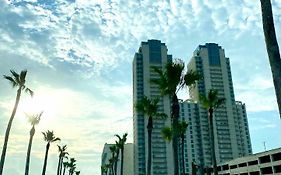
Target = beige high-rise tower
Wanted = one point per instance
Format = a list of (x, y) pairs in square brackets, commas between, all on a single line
[(150, 53)]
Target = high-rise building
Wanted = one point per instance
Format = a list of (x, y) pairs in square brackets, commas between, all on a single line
[(231, 132), (152, 53)]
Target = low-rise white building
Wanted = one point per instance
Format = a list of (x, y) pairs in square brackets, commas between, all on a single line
[(128, 163), (268, 162)]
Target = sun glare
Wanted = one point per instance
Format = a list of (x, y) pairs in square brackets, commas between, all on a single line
[(44, 101)]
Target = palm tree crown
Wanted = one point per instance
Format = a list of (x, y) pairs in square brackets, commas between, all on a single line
[(50, 137), (19, 80), (211, 101), (34, 119), (149, 107)]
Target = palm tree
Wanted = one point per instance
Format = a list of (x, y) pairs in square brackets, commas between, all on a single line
[(120, 145), (17, 80), (72, 166), (112, 162), (65, 166), (168, 133), (33, 120), (272, 48), (49, 137), (149, 107), (211, 102), (114, 151), (171, 79), (181, 130), (104, 169), (62, 154)]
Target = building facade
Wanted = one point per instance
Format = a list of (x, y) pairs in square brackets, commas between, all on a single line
[(231, 132), (268, 162), (128, 165), (151, 54)]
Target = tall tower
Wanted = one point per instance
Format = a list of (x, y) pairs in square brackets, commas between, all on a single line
[(151, 53), (231, 132)]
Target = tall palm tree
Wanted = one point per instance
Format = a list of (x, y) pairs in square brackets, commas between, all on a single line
[(62, 154), (114, 151), (49, 137), (120, 145), (211, 102), (112, 162), (171, 79), (149, 107), (33, 120), (72, 166), (65, 166), (168, 133), (17, 80), (181, 130), (272, 48)]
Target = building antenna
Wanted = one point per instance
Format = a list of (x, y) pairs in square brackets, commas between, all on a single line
[(264, 146)]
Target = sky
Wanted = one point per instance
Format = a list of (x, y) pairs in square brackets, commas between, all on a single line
[(79, 54)]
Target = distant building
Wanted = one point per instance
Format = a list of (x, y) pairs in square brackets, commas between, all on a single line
[(268, 162), (231, 132), (150, 53), (106, 155), (128, 164)]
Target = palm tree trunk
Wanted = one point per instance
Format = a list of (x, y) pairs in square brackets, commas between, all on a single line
[(61, 166), (149, 133), (175, 120), (32, 131), (115, 164), (182, 154), (213, 152), (272, 48), (59, 163), (7, 133), (122, 160), (64, 170), (45, 160)]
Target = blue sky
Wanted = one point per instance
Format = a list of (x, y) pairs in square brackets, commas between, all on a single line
[(79, 53)]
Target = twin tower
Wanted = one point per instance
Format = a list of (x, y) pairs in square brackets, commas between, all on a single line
[(231, 132)]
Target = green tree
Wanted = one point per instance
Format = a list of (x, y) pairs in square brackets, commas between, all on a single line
[(171, 79), (104, 169), (33, 120), (72, 166), (212, 102), (120, 145), (272, 48), (168, 133), (49, 137), (113, 161), (149, 107), (62, 154), (17, 80), (65, 166)]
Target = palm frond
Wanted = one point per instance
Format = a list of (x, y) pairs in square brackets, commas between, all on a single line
[(191, 77), (11, 80), (34, 119), (56, 139), (16, 76), (167, 133), (22, 76), (27, 90), (161, 116)]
